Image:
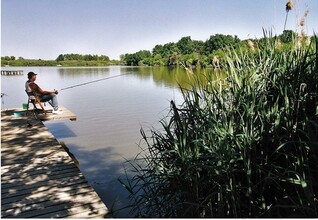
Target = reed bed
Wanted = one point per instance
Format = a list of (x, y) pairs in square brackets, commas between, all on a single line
[(243, 147)]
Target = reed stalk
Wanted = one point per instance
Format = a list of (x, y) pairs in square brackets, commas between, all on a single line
[(246, 147), (289, 6)]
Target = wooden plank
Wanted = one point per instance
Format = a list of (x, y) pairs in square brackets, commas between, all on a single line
[(66, 114), (22, 113), (36, 168), (65, 182), (56, 156), (29, 204), (54, 205), (87, 211), (61, 194), (43, 191), (38, 177), (82, 207)]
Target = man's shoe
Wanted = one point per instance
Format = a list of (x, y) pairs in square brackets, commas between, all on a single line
[(57, 112)]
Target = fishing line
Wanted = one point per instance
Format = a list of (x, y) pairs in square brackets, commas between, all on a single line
[(82, 84)]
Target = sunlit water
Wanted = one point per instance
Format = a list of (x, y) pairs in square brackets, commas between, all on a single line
[(110, 114)]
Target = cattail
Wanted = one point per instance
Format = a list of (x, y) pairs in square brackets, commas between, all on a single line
[(302, 23), (298, 42), (250, 44), (302, 20), (308, 41), (306, 13), (289, 6), (278, 44), (216, 62), (302, 33)]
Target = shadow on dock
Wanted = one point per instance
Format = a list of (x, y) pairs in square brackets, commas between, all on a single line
[(38, 177)]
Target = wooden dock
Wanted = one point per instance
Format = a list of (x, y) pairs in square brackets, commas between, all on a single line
[(38, 177), (11, 72), (49, 116)]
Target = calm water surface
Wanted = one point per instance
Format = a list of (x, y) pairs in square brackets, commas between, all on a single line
[(109, 113)]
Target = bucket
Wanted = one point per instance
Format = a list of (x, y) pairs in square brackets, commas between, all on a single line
[(24, 106), (18, 114)]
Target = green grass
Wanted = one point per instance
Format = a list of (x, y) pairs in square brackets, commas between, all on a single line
[(243, 147)]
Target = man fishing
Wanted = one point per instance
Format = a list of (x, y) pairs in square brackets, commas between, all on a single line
[(45, 96)]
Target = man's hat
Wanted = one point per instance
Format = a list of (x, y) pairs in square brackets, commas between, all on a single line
[(30, 74)]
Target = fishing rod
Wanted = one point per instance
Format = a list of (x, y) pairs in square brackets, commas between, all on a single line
[(3, 94), (2, 98), (82, 84)]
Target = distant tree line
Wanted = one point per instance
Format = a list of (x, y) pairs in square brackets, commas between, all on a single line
[(86, 57), (8, 58), (185, 52), (61, 60), (85, 60), (190, 52), (12, 61)]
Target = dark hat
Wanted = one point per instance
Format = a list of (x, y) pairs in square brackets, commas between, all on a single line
[(30, 74)]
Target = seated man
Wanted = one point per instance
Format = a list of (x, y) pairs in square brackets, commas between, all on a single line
[(45, 96)]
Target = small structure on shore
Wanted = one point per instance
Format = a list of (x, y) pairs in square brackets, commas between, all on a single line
[(11, 72)]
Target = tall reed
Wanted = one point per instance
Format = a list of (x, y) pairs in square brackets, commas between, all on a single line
[(289, 6), (246, 147)]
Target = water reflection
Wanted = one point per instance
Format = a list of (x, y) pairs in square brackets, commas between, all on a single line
[(172, 77), (74, 73), (82, 70), (109, 113)]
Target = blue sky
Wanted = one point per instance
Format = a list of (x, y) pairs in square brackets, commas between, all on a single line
[(43, 29)]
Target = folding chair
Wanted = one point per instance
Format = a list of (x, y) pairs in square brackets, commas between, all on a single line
[(34, 100)]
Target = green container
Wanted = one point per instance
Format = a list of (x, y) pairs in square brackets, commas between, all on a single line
[(18, 114), (24, 106)]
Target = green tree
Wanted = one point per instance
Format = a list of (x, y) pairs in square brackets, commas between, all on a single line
[(7, 58), (287, 36), (88, 57), (103, 58), (158, 49), (198, 46), (170, 49), (157, 60), (186, 45), (142, 54), (132, 59), (190, 59), (60, 58), (122, 58), (219, 41)]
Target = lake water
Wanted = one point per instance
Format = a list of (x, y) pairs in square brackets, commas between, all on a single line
[(110, 114)]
